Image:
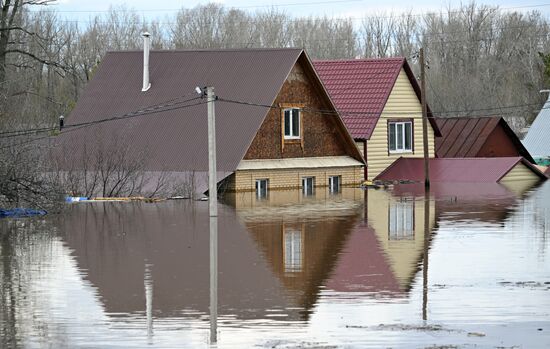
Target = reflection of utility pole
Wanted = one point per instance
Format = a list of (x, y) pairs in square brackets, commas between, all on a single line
[(425, 254), (213, 203), (213, 279), (424, 118), (148, 283)]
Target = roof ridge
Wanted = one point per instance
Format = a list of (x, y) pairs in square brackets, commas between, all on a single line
[(467, 117), (355, 60)]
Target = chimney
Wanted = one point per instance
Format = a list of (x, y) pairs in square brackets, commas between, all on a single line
[(146, 47)]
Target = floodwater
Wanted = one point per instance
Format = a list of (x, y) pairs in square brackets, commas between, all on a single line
[(467, 267)]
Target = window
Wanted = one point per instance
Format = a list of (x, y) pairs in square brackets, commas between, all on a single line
[(308, 186), (334, 184), (261, 188), (293, 250), (292, 123), (400, 136), (401, 220)]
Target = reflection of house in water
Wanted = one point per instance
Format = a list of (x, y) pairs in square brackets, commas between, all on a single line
[(276, 255), (116, 244), (487, 202), (302, 248), (383, 254), (300, 200), (375, 248)]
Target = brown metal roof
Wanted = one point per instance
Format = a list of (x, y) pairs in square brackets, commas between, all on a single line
[(176, 140), (456, 170), (464, 137)]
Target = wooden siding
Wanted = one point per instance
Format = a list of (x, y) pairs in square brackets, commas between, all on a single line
[(402, 104), (245, 180), (520, 179), (320, 135), (520, 173)]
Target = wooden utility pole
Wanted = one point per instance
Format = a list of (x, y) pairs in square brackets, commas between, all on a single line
[(213, 210), (424, 119)]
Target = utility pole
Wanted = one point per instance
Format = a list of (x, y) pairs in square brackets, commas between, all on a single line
[(424, 119), (213, 210)]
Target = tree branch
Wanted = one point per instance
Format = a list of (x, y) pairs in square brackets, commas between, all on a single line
[(36, 58)]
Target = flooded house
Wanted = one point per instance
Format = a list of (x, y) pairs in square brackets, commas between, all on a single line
[(478, 137), (516, 173), (536, 140), (276, 126), (379, 101)]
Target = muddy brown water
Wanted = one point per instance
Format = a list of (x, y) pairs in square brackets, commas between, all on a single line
[(466, 266)]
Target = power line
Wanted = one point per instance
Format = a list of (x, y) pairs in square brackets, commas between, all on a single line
[(78, 126), (134, 114), (159, 108), (375, 114), (168, 103)]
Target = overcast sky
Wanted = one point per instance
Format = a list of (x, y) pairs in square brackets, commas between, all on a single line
[(78, 9)]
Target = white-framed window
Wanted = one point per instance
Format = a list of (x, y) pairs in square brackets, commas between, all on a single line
[(292, 123), (262, 188), (401, 220), (308, 186), (334, 184), (400, 136), (293, 250)]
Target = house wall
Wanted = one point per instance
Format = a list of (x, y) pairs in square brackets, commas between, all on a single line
[(246, 202), (498, 144), (402, 104), (520, 173), (405, 254), (320, 136), (519, 179), (292, 178)]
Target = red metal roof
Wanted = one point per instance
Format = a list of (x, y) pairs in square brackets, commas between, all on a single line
[(360, 89), (464, 137), (458, 170)]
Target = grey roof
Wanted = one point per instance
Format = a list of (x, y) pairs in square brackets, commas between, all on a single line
[(537, 140), (176, 140)]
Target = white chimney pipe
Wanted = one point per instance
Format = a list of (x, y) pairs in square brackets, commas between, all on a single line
[(146, 47)]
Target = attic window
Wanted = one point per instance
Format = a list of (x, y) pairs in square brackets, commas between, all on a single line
[(292, 123)]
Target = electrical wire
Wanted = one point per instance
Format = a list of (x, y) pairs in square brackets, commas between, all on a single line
[(163, 107), (375, 114), (73, 127), (168, 103)]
